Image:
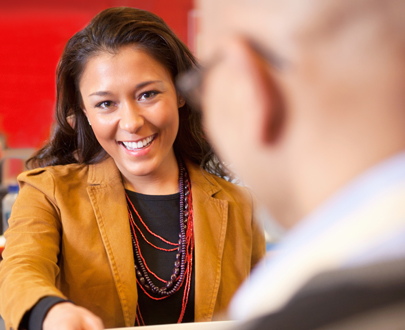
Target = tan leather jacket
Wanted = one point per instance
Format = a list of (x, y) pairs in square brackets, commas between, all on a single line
[(69, 236)]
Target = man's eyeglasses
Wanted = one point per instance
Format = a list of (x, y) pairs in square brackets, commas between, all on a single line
[(190, 83)]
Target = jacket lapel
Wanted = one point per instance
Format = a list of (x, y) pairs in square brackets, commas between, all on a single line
[(107, 196), (209, 238)]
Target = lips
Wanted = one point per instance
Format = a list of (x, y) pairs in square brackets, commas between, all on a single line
[(141, 144)]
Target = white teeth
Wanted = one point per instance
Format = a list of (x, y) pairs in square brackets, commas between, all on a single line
[(138, 145)]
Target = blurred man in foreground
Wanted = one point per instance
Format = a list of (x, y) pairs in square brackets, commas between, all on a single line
[(306, 100)]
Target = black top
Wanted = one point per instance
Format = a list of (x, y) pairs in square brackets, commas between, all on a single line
[(162, 215), (34, 318)]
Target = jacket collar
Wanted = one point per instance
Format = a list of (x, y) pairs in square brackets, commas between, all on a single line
[(202, 179), (105, 172)]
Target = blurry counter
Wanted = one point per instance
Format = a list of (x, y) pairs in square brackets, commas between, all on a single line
[(217, 325)]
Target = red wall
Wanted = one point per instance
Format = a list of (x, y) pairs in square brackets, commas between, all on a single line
[(32, 36)]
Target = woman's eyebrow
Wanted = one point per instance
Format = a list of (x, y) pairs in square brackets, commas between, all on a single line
[(146, 83), (140, 85), (100, 93)]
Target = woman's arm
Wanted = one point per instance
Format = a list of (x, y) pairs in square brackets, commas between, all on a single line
[(30, 266)]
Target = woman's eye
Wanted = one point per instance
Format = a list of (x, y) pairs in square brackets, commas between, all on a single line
[(104, 104), (148, 95)]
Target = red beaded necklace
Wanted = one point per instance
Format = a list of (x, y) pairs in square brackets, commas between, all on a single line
[(184, 258)]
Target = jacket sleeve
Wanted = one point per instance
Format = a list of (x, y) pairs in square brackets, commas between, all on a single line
[(258, 238), (30, 260)]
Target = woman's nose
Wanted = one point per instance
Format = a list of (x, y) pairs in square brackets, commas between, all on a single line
[(131, 118)]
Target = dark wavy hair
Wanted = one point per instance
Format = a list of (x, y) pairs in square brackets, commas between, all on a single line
[(72, 140)]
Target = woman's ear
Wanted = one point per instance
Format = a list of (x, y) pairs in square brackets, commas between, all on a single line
[(71, 118), (180, 101), (269, 110)]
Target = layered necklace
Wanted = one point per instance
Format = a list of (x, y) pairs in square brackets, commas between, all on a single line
[(183, 262)]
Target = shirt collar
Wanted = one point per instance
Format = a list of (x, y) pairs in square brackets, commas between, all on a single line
[(356, 193)]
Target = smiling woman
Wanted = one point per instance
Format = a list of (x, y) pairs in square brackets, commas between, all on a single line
[(124, 219), (131, 102)]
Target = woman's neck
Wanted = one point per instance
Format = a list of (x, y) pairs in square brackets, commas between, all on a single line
[(163, 182)]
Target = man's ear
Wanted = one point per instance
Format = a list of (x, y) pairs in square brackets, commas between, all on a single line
[(269, 111)]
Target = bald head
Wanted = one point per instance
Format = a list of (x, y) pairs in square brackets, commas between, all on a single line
[(293, 23), (326, 19)]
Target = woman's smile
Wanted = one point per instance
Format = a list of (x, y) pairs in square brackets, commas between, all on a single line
[(140, 147), (140, 144)]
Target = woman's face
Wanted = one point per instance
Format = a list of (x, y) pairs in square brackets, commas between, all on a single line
[(132, 105)]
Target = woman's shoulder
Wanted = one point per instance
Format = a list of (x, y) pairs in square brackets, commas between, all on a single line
[(56, 170), (72, 174), (54, 175), (53, 181)]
